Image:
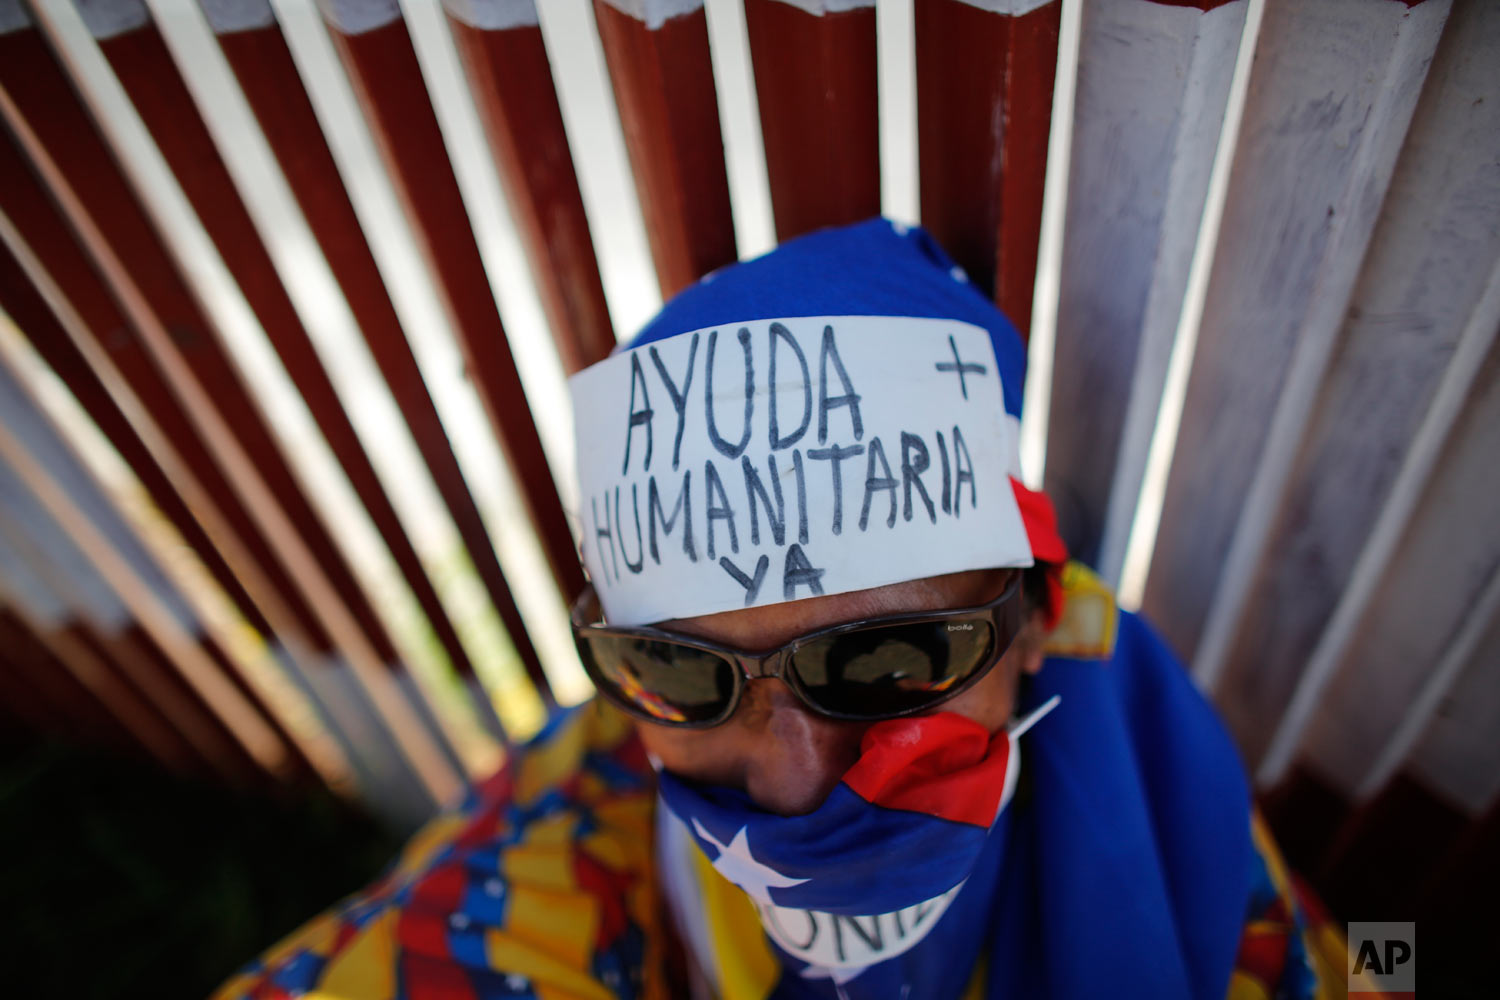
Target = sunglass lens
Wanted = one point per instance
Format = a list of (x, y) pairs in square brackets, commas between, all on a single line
[(660, 681), (892, 669)]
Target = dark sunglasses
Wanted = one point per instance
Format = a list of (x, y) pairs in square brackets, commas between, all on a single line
[(876, 668)]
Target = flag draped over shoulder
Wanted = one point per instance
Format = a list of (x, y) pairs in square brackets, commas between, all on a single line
[(1133, 862)]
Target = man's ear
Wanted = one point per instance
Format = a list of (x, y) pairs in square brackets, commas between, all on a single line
[(1032, 642)]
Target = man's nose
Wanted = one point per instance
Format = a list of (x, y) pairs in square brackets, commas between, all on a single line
[(794, 757)]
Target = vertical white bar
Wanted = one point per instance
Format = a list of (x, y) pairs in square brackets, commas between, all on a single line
[(739, 120), (896, 67), (1037, 407), (1142, 542)]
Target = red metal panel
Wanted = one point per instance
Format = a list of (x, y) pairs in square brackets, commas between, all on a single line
[(39, 88), (405, 725), (31, 315), (263, 64), (149, 673), (383, 67), (1403, 833), (151, 668), (512, 86), (984, 110), (1305, 813), (1459, 897), (1438, 864), (300, 768), (815, 77), (144, 66), (27, 204), (664, 87), (25, 710), (67, 654), (43, 694), (124, 646)]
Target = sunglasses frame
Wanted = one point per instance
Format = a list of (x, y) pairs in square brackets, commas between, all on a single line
[(1003, 615)]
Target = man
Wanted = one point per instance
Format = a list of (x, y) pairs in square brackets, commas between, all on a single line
[(828, 625)]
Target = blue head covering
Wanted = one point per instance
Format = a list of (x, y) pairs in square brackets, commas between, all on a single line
[(872, 268)]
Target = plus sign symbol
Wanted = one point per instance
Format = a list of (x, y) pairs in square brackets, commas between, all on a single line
[(960, 367)]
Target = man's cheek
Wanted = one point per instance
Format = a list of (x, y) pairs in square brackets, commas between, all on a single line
[(990, 700), (700, 754)]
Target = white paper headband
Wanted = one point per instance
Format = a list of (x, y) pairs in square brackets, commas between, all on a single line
[(883, 454)]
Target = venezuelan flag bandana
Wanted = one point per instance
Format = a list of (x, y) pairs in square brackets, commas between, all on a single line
[(882, 889)]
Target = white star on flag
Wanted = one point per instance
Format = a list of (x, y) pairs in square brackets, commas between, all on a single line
[(738, 865)]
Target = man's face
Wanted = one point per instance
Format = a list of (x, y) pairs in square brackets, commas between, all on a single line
[(785, 757)]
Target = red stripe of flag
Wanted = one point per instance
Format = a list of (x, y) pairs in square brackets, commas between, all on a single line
[(943, 765)]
